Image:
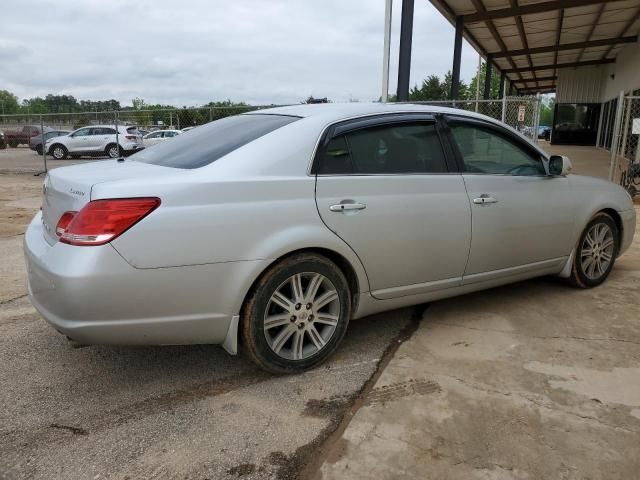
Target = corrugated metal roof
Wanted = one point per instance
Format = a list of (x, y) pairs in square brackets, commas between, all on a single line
[(503, 26)]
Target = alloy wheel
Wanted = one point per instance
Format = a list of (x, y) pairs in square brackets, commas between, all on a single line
[(58, 153), (597, 251), (114, 152), (301, 316)]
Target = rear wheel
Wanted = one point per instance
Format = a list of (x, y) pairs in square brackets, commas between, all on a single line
[(39, 149), (59, 152), (296, 315), (596, 252), (113, 151), (13, 144)]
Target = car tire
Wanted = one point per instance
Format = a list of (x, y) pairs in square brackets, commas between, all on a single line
[(3, 145), (39, 149), (13, 144), (596, 252), (113, 151), (296, 314), (59, 152)]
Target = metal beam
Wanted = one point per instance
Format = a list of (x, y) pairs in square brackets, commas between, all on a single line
[(567, 46), (538, 79), (404, 63), (457, 55), (561, 65), (558, 35), (527, 9), (503, 77), (626, 27), (487, 77), (480, 7), (592, 29), (523, 35)]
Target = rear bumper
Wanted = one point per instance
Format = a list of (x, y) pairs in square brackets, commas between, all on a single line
[(628, 218), (94, 296), (132, 147)]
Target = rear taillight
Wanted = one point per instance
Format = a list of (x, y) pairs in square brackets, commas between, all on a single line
[(130, 137), (64, 222), (101, 221)]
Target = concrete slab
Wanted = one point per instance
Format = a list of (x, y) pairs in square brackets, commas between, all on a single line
[(529, 381)]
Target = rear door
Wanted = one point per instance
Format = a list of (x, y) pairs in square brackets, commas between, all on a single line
[(384, 186), (520, 215)]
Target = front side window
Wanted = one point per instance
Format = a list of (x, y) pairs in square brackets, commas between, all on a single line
[(390, 149), (83, 132), (212, 141), (485, 151)]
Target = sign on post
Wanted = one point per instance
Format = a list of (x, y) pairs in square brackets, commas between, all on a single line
[(522, 110), (635, 126)]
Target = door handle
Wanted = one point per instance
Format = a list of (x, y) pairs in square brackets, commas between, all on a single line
[(341, 207), (484, 199)]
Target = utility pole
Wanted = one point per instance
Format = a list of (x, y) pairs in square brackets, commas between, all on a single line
[(387, 50)]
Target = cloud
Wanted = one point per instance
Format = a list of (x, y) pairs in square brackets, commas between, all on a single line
[(194, 51)]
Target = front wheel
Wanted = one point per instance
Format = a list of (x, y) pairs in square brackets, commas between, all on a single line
[(596, 252), (59, 152), (296, 315)]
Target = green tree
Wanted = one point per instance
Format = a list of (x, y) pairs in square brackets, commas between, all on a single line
[(431, 89), (8, 102), (495, 83), (546, 111)]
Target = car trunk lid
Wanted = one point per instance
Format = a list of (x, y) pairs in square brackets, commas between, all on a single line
[(69, 188)]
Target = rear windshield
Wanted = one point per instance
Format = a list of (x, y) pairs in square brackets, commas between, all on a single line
[(207, 143)]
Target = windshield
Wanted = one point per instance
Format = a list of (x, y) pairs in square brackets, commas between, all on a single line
[(209, 142)]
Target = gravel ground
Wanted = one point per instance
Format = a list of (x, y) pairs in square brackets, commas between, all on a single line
[(156, 412), (25, 160)]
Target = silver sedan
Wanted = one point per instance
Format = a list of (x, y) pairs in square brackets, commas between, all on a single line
[(273, 229)]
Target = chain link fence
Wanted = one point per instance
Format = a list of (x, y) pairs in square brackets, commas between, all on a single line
[(144, 120), (521, 113), (625, 152), (22, 131)]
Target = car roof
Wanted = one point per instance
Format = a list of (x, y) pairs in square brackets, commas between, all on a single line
[(338, 111), (334, 112)]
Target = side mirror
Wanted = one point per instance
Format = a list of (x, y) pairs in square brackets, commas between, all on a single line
[(559, 165)]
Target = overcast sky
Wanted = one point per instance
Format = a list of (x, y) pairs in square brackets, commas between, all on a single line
[(189, 52)]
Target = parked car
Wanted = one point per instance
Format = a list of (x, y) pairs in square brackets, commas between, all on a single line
[(186, 129), (159, 136), (36, 142), (544, 132), (280, 226), (3, 142), (23, 135), (95, 140)]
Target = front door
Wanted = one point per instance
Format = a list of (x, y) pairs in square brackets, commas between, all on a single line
[(385, 189), (520, 215), (79, 141)]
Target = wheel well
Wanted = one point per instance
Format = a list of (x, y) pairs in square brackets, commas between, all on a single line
[(616, 218), (56, 145), (342, 263)]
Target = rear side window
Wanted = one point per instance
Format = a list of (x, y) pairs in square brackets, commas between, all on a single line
[(209, 142), (389, 149)]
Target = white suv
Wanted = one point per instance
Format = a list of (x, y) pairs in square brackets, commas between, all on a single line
[(95, 140)]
